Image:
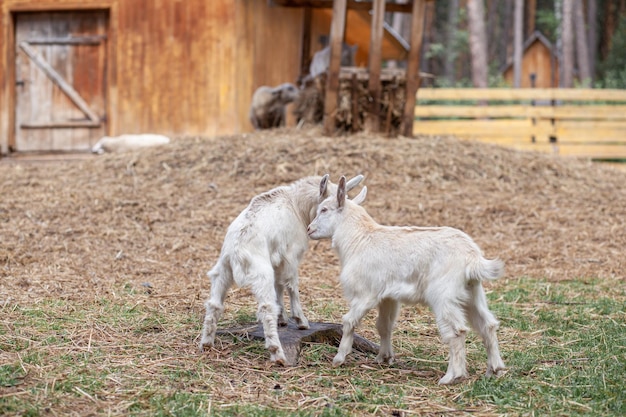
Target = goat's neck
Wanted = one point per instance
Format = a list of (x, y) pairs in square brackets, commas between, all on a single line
[(304, 205), (355, 230)]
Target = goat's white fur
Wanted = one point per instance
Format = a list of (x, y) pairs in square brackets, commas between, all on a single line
[(128, 142), (262, 250), (383, 266)]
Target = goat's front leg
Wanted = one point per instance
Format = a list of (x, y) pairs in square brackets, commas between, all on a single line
[(296, 307), (351, 319), (282, 315), (289, 277)]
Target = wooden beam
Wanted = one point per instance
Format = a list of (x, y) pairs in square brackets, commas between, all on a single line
[(351, 4), (69, 40), (337, 29), (518, 111), (545, 94), (374, 87), (413, 65), (305, 47), (53, 125)]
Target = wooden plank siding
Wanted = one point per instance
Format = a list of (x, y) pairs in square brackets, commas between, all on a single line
[(574, 122), (173, 67)]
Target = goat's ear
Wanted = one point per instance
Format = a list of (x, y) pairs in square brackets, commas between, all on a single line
[(354, 182), (341, 192), (360, 198), (323, 187)]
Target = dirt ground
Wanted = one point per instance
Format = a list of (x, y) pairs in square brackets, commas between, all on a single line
[(91, 230), (83, 226)]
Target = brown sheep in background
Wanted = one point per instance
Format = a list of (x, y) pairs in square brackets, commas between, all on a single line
[(267, 109)]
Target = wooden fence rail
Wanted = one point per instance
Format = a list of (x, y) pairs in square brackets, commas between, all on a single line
[(575, 122)]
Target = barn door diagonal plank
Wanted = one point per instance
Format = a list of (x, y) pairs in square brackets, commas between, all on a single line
[(94, 120)]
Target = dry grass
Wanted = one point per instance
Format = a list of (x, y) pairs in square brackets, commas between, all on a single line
[(103, 262)]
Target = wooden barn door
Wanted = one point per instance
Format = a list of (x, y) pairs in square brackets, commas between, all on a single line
[(61, 80)]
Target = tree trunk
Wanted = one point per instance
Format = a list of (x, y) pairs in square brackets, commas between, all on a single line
[(530, 13), (567, 64), (478, 42), (450, 56), (582, 53), (518, 43), (428, 35), (592, 36), (608, 28), (506, 38), (492, 18)]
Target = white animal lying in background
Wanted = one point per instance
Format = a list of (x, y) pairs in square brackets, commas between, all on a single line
[(129, 142), (262, 250), (383, 266)]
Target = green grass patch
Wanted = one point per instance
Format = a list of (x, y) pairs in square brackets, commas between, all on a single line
[(564, 345)]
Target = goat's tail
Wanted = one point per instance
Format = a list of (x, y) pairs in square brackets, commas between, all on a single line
[(485, 269)]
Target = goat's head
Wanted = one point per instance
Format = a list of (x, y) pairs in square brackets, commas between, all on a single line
[(330, 211)]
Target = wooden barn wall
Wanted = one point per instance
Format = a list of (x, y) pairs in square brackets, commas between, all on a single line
[(178, 67)]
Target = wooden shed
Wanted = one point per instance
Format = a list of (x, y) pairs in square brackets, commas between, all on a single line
[(538, 61), (72, 71)]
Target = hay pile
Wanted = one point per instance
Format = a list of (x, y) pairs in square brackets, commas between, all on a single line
[(69, 227)]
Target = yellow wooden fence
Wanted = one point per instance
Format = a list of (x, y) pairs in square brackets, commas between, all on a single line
[(575, 122)]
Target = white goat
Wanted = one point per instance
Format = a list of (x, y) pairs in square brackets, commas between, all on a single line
[(128, 142), (383, 266), (262, 250)]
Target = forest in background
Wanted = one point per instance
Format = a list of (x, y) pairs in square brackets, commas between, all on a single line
[(469, 42)]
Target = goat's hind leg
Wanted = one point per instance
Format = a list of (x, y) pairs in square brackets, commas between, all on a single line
[(485, 324), (451, 322), (268, 311), (387, 314), (221, 281)]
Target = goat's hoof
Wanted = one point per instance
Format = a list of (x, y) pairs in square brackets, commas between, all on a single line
[(278, 359), (204, 344), (451, 379), (384, 360), (495, 372), (301, 322), (338, 362)]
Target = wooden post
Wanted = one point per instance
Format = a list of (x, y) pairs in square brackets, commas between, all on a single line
[(413, 65), (305, 47), (337, 28), (355, 103), (376, 40)]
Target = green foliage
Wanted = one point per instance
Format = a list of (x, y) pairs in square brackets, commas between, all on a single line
[(547, 23), (613, 69)]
